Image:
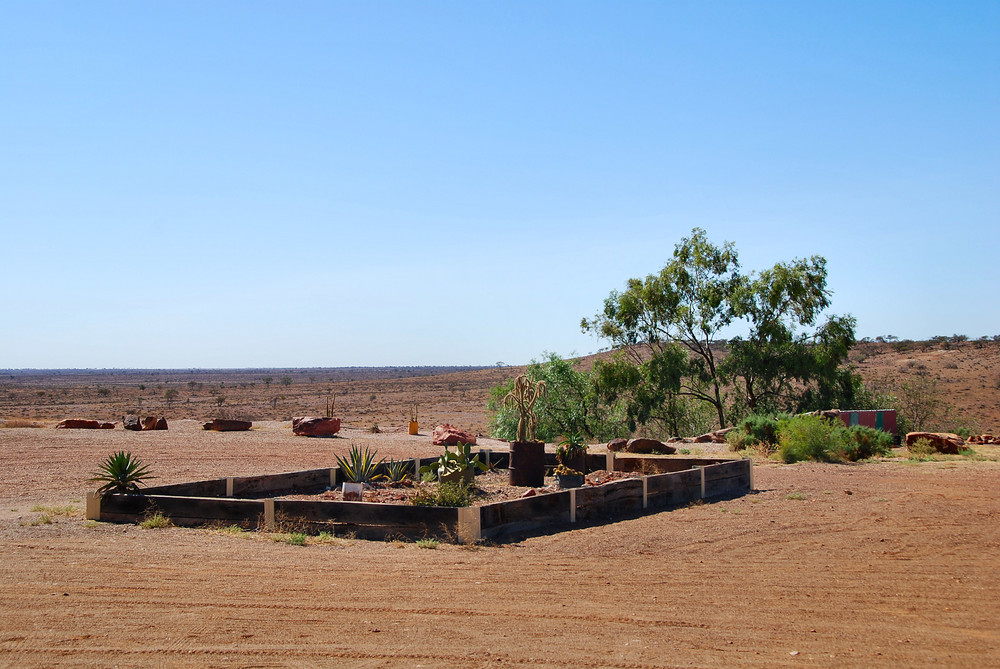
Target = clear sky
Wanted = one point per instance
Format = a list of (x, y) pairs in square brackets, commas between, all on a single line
[(305, 184)]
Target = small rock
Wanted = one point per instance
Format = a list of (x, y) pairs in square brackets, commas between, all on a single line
[(449, 435)]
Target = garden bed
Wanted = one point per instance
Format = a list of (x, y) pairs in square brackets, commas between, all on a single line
[(627, 486)]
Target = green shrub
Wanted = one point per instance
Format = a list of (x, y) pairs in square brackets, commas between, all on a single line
[(155, 521), (809, 438), (427, 543), (296, 539), (445, 494), (861, 442), (922, 447), (760, 430)]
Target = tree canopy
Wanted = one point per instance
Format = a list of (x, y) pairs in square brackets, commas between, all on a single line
[(667, 330)]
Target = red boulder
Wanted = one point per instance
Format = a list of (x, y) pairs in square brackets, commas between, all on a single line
[(449, 435), (618, 444), (80, 424), (648, 446), (224, 425), (943, 442), (310, 426)]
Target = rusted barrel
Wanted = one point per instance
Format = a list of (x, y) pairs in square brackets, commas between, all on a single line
[(527, 463)]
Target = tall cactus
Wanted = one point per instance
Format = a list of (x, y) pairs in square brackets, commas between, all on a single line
[(523, 398)]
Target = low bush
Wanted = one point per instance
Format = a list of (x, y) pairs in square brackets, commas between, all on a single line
[(861, 442), (922, 447), (808, 438), (756, 430), (155, 521), (445, 494)]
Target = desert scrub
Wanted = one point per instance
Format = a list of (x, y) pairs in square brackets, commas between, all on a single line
[(445, 494), (427, 543), (808, 438), (296, 539), (67, 510), (861, 442), (756, 430), (921, 448), (155, 521)]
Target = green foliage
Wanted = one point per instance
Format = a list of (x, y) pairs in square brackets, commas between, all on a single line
[(666, 328), (457, 461), (296, 539), (808, 438), (443, 494), (121, 473), (570, 447), (815, 438), (155, 521), (428, 543), (358, 466), (397, 471), (571, 405), (861, 442), (922, 447)]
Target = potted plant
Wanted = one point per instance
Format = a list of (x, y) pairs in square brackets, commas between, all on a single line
[(457, 467), (527, 456), (568, 478), (572, 452), (414, 426)]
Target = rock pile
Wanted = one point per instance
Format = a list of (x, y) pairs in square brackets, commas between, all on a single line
[(137, 424)]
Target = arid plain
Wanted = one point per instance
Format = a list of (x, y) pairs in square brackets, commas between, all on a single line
[(891, 563)]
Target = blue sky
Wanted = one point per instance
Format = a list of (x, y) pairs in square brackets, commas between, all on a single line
[(378, 183)]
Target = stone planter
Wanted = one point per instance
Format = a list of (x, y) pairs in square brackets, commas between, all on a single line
[(464, 476)]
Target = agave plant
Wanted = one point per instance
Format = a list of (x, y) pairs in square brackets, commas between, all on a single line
[(358, 466), (121, 473), (397, 471)]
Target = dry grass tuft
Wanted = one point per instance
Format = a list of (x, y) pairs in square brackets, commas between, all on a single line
[(19, 422)]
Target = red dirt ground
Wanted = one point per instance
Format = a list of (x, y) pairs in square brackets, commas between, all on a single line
[(887, 564)]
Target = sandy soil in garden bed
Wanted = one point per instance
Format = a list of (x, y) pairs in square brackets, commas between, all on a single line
[(490, 487), (884, 564)]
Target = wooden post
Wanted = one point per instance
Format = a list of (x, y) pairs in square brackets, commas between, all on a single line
[(229, 486), (93, 506), (610, 464), (645, 492), (702, 469), (750, 467), (488, 454), (416, 469), (572, 505), (333, 477), (269, 515), (469, 526)]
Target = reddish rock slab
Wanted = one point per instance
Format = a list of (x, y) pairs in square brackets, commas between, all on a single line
[(153, 423), (314, 426), (81, 424), (449, 435), (646, 446), (224, 425), (617, 444), (943, 442)]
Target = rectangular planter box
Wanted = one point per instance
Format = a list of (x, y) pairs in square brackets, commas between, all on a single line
[(223, 501)]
